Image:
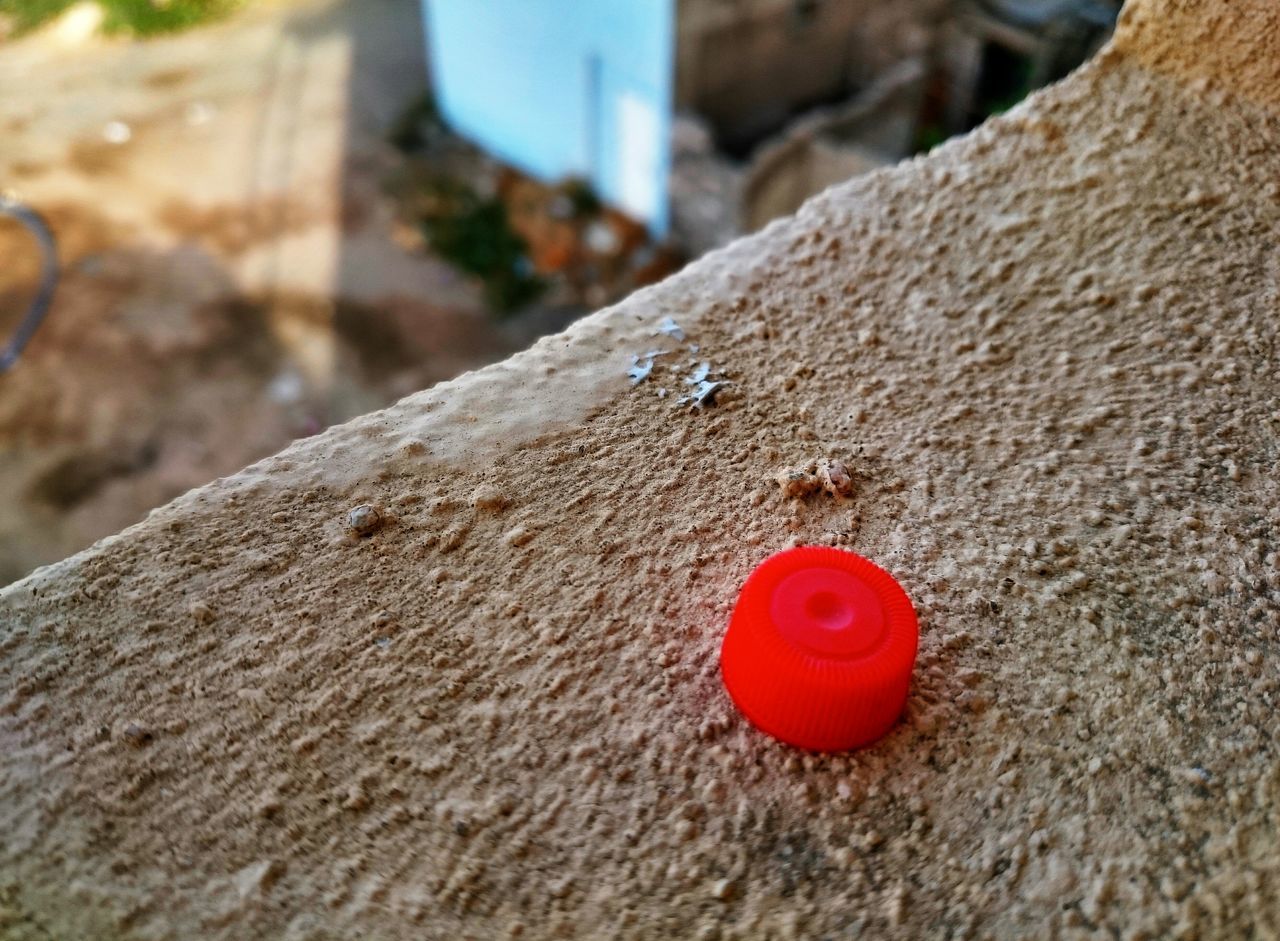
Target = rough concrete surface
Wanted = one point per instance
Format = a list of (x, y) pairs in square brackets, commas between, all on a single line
[(1046, 352)]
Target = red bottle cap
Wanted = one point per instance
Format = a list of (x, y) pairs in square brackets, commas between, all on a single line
[(820, 649)]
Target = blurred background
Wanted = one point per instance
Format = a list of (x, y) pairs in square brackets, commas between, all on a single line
[(273, 215)]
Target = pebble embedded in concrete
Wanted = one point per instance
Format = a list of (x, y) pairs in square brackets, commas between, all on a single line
[(137, 735), (829, 475), (364, 520), (835, 478), (798, 482)]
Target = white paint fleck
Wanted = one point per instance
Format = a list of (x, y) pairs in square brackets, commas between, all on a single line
[(671, 329), (704, 394)]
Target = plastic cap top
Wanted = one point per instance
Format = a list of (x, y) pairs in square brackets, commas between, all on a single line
[(820, 649)]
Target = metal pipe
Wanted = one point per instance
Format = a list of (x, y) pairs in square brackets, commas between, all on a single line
[(34, 223)]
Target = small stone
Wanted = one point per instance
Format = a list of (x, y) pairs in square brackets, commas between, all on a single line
[(137, 735), (835, 478), (201, 612), (723, 889), (364, 520), (797, 483)]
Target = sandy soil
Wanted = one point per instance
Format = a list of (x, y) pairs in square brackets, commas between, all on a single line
[(157, 373), (233, 279), (1048, 354)]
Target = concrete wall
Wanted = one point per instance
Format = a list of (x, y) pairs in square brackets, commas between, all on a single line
[(832, 145), (747, 65), (1045, 348)]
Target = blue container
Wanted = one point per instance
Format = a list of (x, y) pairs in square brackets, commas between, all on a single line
[(561, 88)]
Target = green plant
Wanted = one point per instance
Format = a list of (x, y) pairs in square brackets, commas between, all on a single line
[(582, 197), (139, 17), (407, 131), (473, 234), (929, 136)]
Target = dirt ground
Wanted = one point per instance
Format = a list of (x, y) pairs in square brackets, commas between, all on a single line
[(1048, 354), (234, 275)]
